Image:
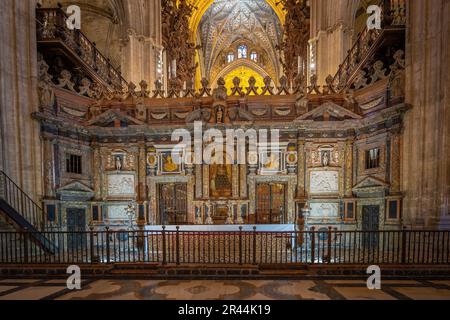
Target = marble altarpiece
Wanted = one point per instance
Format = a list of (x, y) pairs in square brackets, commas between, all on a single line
[(124, 141)]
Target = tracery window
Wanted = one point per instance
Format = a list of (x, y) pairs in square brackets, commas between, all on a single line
[(254, 56), (230, 57), (242, 52)]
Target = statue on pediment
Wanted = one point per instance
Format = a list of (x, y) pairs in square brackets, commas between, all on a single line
[(220, 93)]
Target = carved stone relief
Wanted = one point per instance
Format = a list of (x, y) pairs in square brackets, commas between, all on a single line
[(324, 182), (121, 185)]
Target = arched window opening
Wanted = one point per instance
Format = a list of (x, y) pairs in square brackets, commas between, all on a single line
[(254, 56), (242, 52), (230, 57)]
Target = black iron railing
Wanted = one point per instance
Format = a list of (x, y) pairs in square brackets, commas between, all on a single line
[(239, 247), (394, 15), (14, 197), (51, 26)]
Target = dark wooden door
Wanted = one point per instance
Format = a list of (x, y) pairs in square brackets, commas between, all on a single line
[(271, 203), (371, 225), (173, 204), (76, 226)]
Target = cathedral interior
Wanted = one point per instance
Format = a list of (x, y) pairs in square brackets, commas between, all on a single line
[(88, 115)]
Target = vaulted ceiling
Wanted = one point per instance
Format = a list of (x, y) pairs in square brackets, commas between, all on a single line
[(227, 22)]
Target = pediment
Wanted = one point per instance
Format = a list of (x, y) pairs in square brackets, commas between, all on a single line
[(370, 183), (75, 186), (110, 116), (329, 110)]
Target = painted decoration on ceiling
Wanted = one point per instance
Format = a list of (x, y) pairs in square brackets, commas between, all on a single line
[(227, 22)]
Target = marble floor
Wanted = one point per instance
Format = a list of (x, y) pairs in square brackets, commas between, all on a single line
[(35, 289)]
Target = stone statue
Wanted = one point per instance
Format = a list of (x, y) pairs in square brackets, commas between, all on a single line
[(118, 164), (230, 215), (219, 115), (209, 220), (65, 81), (45, 90), (325, 159)]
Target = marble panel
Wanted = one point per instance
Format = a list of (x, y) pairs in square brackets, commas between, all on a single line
[(324, 182), (121, 185)]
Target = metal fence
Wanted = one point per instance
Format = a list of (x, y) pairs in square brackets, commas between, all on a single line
[(230, 248)]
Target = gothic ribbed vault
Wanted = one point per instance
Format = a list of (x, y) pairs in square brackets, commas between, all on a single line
[(229, 24)]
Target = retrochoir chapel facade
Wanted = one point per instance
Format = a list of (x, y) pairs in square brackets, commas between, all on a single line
[(363, 115)]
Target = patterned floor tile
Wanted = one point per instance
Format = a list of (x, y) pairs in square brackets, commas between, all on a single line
[(363, 294), (424, 293), (6, 288), (32, 293), (198, 290), (30, 289), (101, 288)]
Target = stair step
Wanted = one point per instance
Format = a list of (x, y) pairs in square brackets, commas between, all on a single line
[(135, 271), (283, 272)]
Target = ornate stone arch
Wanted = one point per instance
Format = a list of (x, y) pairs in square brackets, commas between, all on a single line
[(239, 63)]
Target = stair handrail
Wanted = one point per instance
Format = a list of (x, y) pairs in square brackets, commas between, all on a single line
[(393, 15), (51, 25), (35, 216)]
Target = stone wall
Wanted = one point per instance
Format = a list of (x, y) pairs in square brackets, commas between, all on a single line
[(331, 34), (426, 148), (20, 150)]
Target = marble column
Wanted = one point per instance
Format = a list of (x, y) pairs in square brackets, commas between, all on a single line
[(301, 192), (20, 145), (96, 172), (348, 169), (395, 162), (426, 147), (198, 181), (49, 165), (243, 180), (205, 181), (235, 181), (142, 166)]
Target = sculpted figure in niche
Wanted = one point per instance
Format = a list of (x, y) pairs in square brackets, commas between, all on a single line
[(325, 158), (219, 115), (118, 164)]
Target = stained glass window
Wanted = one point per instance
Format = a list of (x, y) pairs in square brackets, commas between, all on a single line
[(242, 52), (230, 57)]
